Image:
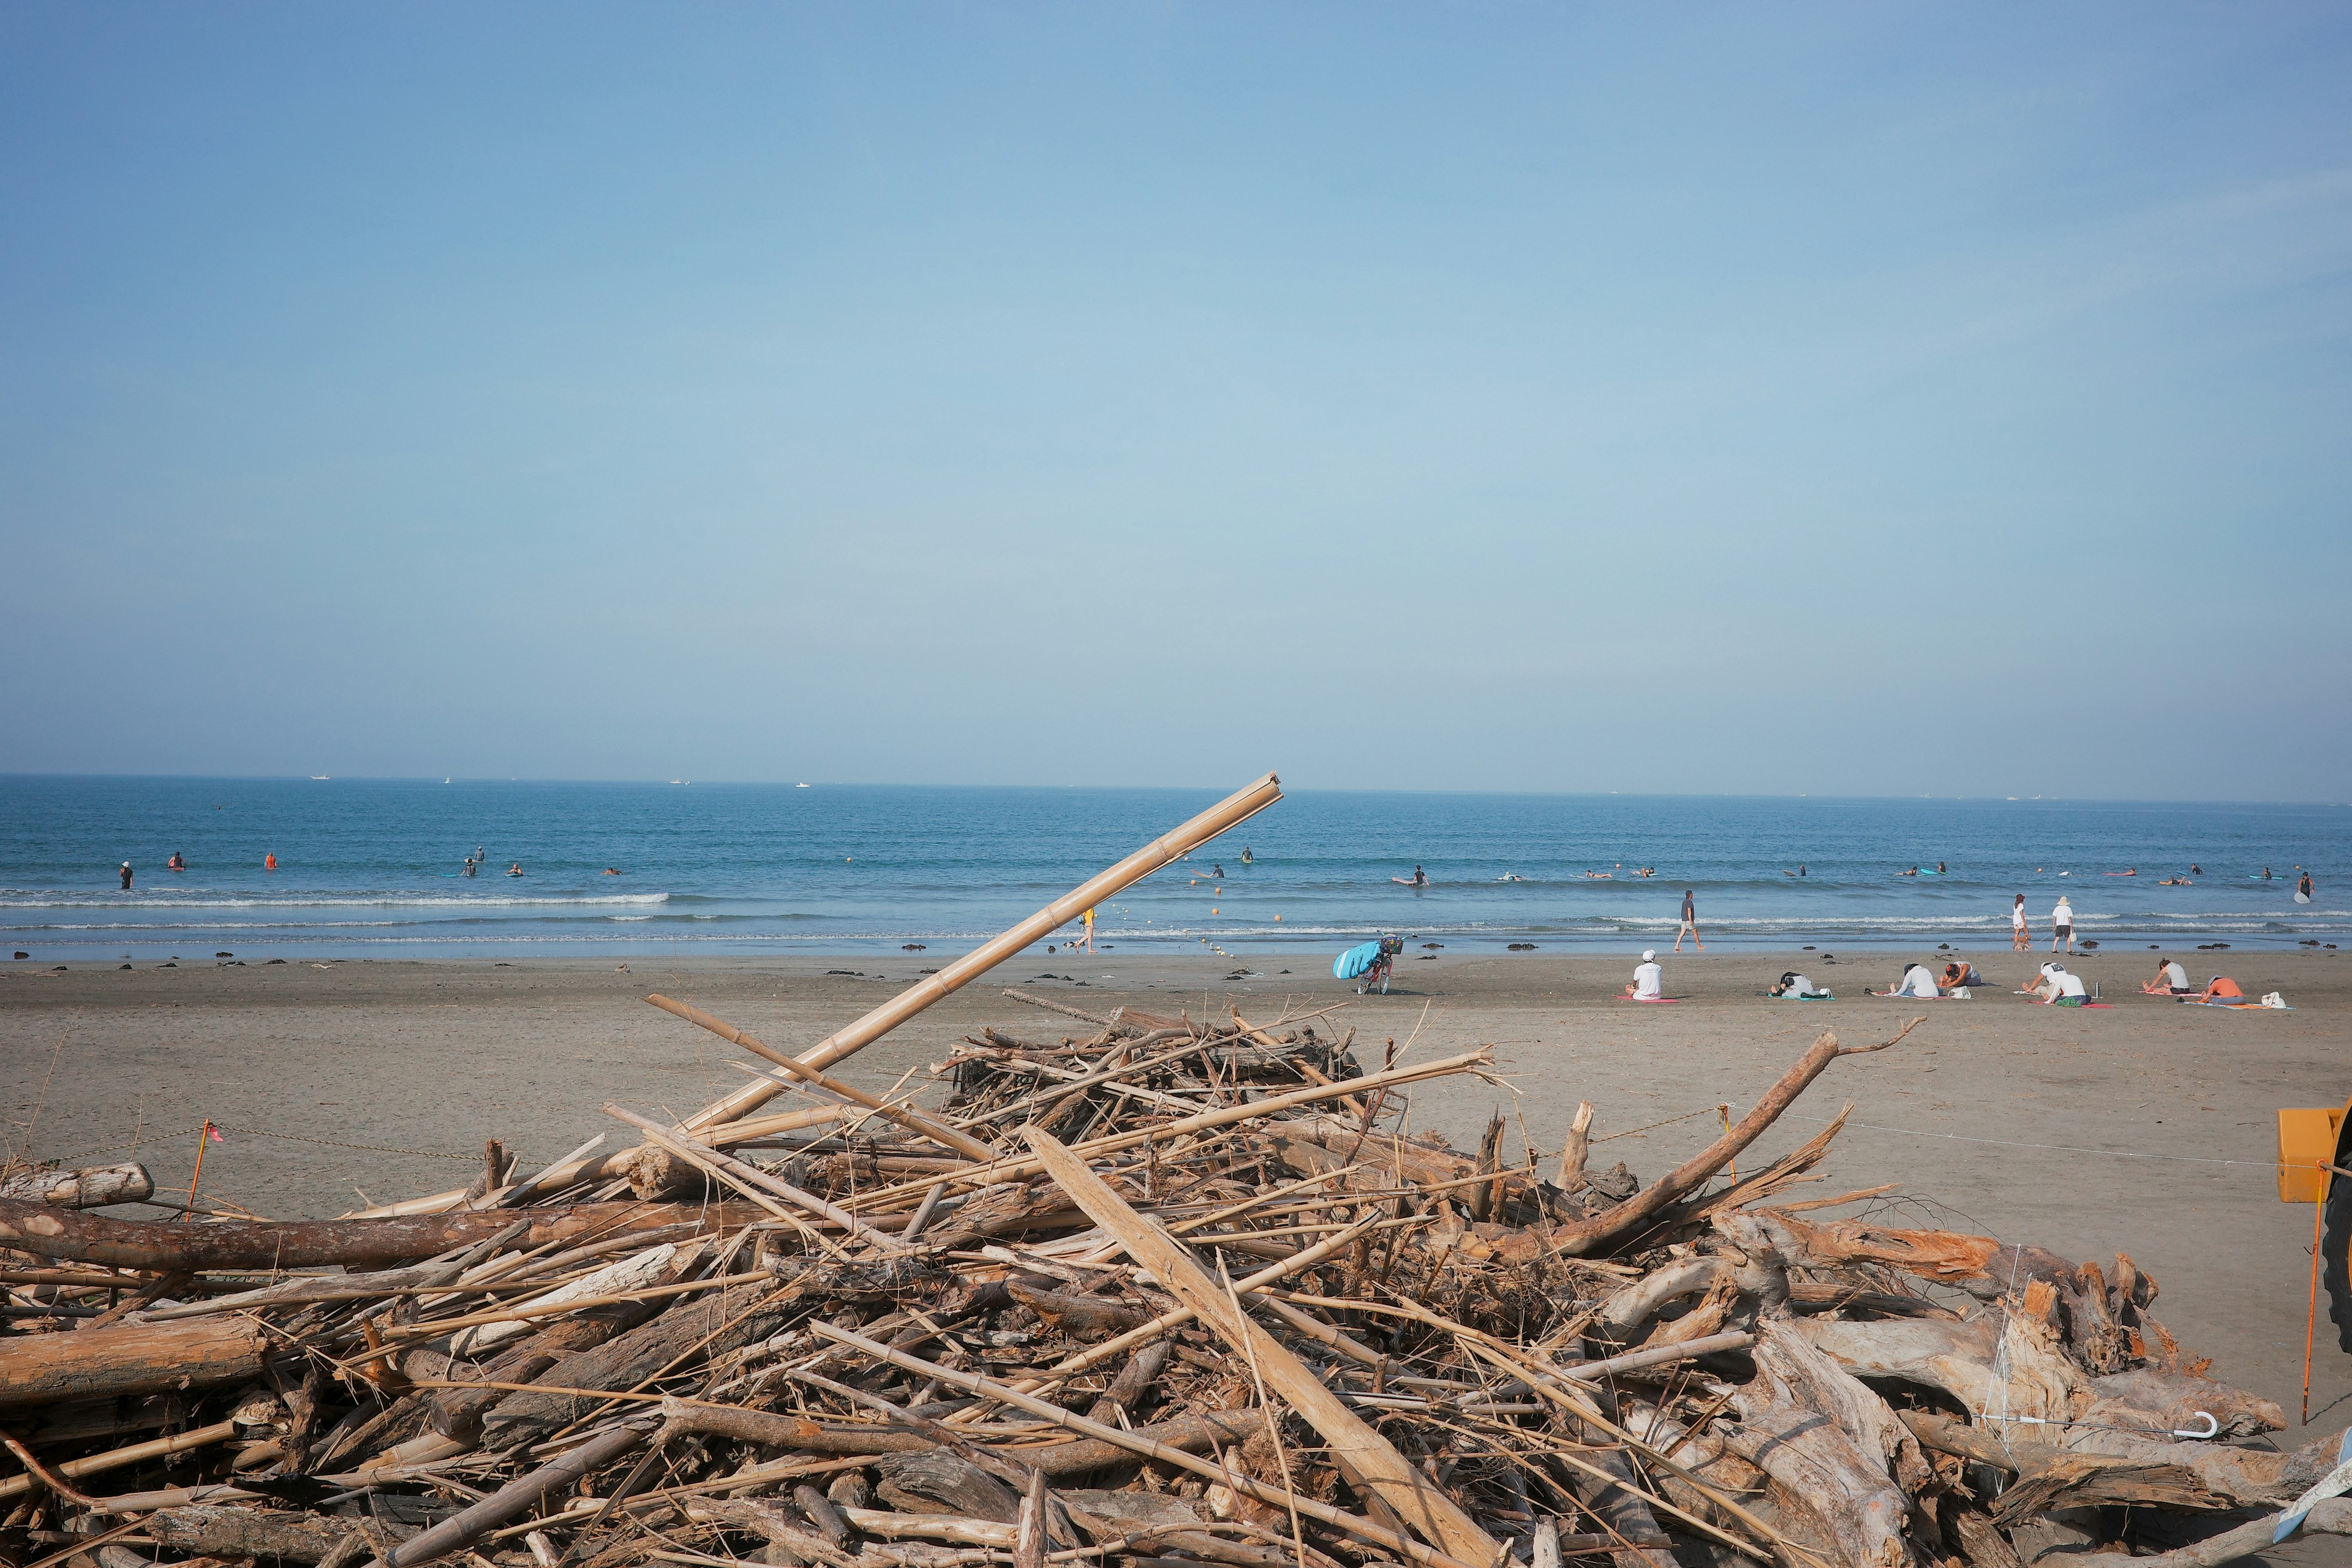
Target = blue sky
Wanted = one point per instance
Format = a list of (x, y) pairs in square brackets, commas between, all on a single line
[(1844, 400)]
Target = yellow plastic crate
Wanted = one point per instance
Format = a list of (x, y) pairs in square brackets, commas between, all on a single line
[(2307, 1148)]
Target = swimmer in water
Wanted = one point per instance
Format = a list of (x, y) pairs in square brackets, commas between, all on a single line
[(126, 876), (269, 861), (1217, 871), (1247, 858), (609, 871), (175, 863), (515, 869)]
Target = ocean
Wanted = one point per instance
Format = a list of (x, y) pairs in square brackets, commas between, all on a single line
[(371, 869)]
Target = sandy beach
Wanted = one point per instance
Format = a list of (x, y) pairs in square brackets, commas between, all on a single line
[(2144, 1127)]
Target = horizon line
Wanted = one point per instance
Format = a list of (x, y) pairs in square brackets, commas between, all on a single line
[(1172, 788)]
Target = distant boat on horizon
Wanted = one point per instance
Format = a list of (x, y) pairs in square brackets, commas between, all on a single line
[(318, 778), (799, 786)]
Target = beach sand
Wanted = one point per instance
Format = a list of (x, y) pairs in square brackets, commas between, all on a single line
[(2145, 1127)]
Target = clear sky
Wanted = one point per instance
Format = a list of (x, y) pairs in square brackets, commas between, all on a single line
[(1881, 399)]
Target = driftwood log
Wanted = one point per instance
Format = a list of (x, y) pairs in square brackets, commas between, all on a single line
[(310, 1244), (94, 1187), (107, 1363)]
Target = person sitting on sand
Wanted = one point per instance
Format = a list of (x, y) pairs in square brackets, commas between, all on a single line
[(1649, 979), (2221, 988), (2171, 980), (1960, 974), (2059, 988), (1918, 980), (1793, 985)]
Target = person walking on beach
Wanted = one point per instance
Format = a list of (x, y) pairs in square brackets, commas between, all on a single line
[(1690, 924), (2062, 926), (126, 876), (2020, 939), (1087, 938)]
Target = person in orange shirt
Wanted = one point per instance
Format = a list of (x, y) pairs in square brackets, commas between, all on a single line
[(269, 861)]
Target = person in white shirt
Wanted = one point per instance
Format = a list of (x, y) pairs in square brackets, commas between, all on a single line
[(2060, 988), (2019, 939), (1919, 981), (1793, 985), (2171, 980), (1649, 980), (2062, 926)]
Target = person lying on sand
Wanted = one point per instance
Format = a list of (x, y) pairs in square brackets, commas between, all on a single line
[(2171, 980), (1795, 985)]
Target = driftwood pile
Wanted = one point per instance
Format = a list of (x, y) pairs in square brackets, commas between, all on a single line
[(1162, 1293)]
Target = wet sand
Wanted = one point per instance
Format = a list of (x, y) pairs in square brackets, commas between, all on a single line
[(2144, 1127)]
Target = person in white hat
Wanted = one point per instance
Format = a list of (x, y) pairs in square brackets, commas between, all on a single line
[(1649, 980), (126, 876)]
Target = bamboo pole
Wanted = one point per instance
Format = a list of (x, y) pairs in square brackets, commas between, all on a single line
[(1366, 1457), (1229, 813), (914, 1121)]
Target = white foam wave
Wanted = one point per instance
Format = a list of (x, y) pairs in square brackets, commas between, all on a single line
[(15, 899)]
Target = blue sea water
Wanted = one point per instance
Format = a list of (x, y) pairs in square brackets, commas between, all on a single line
[(369, 868)]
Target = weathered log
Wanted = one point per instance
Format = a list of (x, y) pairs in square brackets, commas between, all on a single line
[(236, 1532), (1959, 1358), (699, 1327), (933, 1481), (93, 1187), (309, 1244), (2246, 1477), (1831, 1442), (456, 1533), (1085, 1317), (130, 1358), (1132, 1380), (767, 1430), (1580, 1238), (1189, 1432)]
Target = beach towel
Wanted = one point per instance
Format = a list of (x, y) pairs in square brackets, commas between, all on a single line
[(1355, 961), (1661, 1001), (1806, 996)]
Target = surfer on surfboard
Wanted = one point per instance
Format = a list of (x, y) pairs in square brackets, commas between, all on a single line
[(1420, 878)]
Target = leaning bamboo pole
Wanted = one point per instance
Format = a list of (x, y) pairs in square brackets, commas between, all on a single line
[(1229, 813)]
